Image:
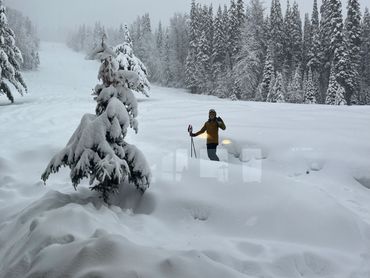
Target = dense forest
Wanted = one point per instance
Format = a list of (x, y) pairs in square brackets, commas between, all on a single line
[(26, 38), (243, 51)]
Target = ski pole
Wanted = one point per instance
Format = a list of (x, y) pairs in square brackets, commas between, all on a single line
[(192, 146), (192, 141)]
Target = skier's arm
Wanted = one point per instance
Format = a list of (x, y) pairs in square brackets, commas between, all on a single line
[(204, 129), (221, 123)]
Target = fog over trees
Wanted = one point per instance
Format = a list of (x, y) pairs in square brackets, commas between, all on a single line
[(244, 51)]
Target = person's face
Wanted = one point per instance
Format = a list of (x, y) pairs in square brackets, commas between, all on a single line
[(212, 116)]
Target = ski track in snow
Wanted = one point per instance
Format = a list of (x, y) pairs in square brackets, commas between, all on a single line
[(308, 216)]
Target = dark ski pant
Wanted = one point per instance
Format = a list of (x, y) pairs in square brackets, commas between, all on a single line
[(211, 150)]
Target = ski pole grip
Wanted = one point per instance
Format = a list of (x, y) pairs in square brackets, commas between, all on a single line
[(190, 129)]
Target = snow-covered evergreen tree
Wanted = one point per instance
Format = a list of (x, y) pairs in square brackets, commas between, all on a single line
[(101, 51), (353, 43), (255, 24), (277, 35), (97, 149), (288, 39), (353, 31), (129, 62), (145, 47), (259, 97), (295, 93), (343, 69), (307, 42), (268, 74), (335, 93), (191, 61), (326, 52), (219, 46), (247, 70), (160, 40), (315, 51), (10, 59), (255, 29), (297, 36), (364, 96), (26, 38), (236, 22), (203, 59), (178, 45), (226, 24), (336, 25), (277, 92), (310, 89), (315, 15), (98, 33), (292, 40), (204, 51), (159, 36), (167, 74), (335, 49)]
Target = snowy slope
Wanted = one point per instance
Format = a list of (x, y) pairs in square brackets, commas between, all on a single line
[(290, 198)]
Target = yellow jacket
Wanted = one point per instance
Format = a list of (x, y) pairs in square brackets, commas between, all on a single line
[(211, 127)]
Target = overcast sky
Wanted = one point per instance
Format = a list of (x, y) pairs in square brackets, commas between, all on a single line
[(54, 16)]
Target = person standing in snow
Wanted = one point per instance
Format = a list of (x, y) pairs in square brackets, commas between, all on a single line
[(211, 127)]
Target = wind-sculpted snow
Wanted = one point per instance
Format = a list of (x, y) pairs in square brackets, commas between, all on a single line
[(291, 201)]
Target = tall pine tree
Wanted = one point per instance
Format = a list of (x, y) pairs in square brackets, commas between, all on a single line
[(219, 46), (10, 59), (325, 53), (364, 97), (307, 42), (277, 35), (353, 43), (335, 93), (277, 92), (315, 51), (310, 89), (236, 22), (268, 74), (296, 36), (191, 60)]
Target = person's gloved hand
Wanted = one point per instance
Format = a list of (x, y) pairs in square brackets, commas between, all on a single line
[(192, 134), (219, 120)]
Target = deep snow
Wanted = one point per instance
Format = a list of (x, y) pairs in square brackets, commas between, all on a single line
[(290, 199)]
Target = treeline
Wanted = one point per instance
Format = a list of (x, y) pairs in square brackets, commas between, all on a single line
[(26, 38), (241, 51), (163, 50)]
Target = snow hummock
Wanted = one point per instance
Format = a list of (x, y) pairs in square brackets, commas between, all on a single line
[(288, 199)]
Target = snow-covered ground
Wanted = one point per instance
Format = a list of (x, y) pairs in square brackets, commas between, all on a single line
[(291, 197)]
